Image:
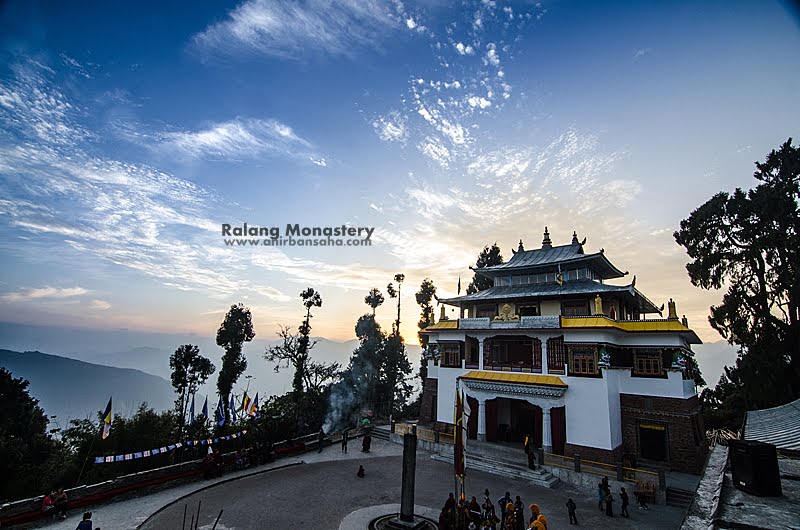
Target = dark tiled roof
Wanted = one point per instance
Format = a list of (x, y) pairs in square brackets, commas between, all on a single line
[(548, 258), (568, 288), (779, 426)]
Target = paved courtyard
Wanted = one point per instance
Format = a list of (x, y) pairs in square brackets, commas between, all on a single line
[(322, 489), (320, 495)]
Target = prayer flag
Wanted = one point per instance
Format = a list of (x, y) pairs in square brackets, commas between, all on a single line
[(107, 417)]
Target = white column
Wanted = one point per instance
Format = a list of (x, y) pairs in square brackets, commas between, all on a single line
[(547, 439), (545, 367), (480, 353), (482, 420)]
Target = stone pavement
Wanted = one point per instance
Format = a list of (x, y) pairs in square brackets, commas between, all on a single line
[(323, 494), (130, 513)]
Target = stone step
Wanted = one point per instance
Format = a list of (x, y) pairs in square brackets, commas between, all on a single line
[(537, 477), (679, 498), (381, 434)]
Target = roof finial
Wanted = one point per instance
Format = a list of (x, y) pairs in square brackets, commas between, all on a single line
[(575, 238), (546, 243), (520, 248)]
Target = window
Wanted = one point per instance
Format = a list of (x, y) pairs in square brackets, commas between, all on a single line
[(450, 354), (584, 363), (528, 310), (487, 311), (647, 363), (556, 355), (572, 308)]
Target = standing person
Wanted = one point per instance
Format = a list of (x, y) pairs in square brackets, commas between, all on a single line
[(509, 521), (519, 514), (503, 502), (609, 501), (321, 439), (530, 450), (86, 523), (366, 442), (60, 500), (475, 511), (345, 439), (624, 508), (573, 519), (601, 495), (490, 520)]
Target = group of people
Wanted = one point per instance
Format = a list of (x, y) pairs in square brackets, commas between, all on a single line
[(605, 500), (55, 503), (510, 515)]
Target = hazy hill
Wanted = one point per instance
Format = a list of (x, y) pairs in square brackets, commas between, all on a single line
[(69, 388)]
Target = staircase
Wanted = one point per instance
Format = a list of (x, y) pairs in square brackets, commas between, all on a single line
[(381, 433), (501, 460), (679, 498)]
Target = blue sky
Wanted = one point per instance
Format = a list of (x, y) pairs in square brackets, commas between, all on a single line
[(129, 134)]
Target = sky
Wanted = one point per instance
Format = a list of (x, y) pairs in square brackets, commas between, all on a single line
[(129, 134)]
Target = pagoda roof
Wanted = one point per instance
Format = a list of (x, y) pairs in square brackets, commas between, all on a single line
[(550, 258), (554, 290)]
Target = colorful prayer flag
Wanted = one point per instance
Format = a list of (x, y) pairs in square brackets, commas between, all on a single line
[(219, 415), (191, 411), (107, 417)]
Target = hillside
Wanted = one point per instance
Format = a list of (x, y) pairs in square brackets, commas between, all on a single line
[(68, 388)]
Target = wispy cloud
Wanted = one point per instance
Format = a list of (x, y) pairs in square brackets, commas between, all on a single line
[(292, 29), (52, 293), (639, 53), (240, 138)]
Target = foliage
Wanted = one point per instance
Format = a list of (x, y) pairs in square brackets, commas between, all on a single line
[(27, 451), (374, 299), (425, 297), (396, 294), (189, 371), (489, 256), (749, 243), (235, 330), (316, 375), (311, 298)]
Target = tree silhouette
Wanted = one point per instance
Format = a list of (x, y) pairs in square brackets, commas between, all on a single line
[(311, 298), (424, 297), (489, 256), (235, 330), (189, 371), (396, 294), (749, 243), (374, 299)]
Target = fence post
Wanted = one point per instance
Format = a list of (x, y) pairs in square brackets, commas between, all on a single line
[(620, 474), (577, 463), (662, 480)]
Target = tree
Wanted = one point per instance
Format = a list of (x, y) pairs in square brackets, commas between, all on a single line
[(315, 374), (235, 330), (374, 299), (749, 243), (396, 294), (189, 371), (489, 256), (26, 449), (311, 298), (425, 297)]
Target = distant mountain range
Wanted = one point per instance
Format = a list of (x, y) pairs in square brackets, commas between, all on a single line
[(72, 389), (150, 352)]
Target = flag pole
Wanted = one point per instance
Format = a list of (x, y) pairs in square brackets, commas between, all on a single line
[(89, 452)]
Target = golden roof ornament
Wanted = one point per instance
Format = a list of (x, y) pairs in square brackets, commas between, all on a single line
[(598, 305), (442, 314), (673, 313)]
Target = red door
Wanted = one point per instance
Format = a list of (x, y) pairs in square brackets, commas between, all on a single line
[(472, 423), (558, 429)]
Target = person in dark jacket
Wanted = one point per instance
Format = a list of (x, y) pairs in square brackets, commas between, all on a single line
[(609, 502), (366, 442), (503, 502), (624, 508), (86, 523), (345, 439), (321, 439), (573, 519)]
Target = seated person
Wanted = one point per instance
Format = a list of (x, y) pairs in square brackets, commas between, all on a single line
[(48, 505), (60, 500)]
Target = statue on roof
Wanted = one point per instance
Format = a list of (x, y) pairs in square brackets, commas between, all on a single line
[(520, 248), (673, 313), (598, 305)]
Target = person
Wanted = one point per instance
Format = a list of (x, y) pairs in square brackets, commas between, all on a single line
[(474, 511), (530, 450), (509, 521), (320, 439), (535, 511), (519, 513), (624, 508), (601, 495), (361, 472), (444, 522), (641, 500), (48, 506), (606, 487), (609, 501), (345, 436), (86, 522), (60, 500), (571, 507), (450, 503), (503, 502), (542, 519), (489, 517), (366, 442)]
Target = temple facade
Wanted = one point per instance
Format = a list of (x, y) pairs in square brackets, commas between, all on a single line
[(554, 351)]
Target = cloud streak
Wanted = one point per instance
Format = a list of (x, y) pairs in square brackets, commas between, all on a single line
[(50, 293)]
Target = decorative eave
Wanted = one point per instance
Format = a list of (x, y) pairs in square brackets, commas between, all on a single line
[(597, 261), (515, 384)]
